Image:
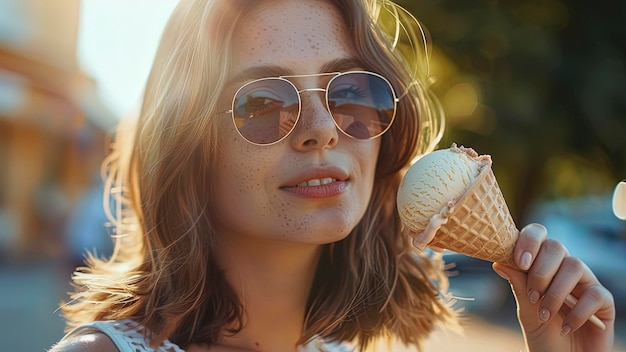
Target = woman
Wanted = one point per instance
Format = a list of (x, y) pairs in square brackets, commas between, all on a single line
[(257, 206)]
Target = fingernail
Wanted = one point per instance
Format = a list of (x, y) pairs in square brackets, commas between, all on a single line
[(501, 274), (544, 314), (524, 260), (533, 296), (565, 330)]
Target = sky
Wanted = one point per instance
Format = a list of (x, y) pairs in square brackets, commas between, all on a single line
[(117, 40)]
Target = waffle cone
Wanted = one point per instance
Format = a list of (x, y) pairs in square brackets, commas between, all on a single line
[(480, 224)]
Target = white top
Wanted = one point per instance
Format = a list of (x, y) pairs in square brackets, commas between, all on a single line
[(128, 336)]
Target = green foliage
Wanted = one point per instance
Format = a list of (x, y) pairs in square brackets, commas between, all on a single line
[(538, 84)]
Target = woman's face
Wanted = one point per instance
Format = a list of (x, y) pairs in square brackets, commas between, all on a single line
[(313, 186)]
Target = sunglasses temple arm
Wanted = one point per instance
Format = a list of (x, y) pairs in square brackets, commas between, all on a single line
[(406, 91)]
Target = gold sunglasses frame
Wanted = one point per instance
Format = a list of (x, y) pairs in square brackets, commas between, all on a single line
[(396, 99)]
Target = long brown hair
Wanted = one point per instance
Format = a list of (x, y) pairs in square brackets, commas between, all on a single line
[(162, 273)]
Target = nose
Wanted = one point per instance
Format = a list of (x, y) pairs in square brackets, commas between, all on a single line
[(316, 127)]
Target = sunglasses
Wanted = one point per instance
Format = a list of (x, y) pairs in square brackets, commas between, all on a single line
[(362, 105)]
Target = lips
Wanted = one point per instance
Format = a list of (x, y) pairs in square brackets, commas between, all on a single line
[(317, 182), (317, 176)]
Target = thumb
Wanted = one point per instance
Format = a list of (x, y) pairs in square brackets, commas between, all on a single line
[(517, 279)]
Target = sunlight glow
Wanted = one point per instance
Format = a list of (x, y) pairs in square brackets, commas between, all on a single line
[(117, 40)]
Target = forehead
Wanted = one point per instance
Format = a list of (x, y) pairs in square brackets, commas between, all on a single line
[(298, 35)]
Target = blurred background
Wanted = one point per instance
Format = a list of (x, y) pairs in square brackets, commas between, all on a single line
[(539, 84)]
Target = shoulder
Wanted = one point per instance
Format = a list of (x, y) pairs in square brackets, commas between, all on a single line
[(87, 342), (111, 336)]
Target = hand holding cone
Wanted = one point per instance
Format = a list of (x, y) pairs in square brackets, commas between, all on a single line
[(473, 220)]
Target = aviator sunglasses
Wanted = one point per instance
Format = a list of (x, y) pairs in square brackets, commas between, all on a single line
[(362, 105)]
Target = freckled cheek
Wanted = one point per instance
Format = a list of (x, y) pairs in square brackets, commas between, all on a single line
[(279, 213), (242, 172)]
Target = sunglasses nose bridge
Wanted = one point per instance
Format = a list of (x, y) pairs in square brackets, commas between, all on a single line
[(317, 89), (311, 90)]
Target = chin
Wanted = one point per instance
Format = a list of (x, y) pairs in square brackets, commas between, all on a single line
[(326, 235)]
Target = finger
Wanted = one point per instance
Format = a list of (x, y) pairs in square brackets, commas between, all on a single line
[(544, 268), (566, 279), (593, 300), (527, 247)]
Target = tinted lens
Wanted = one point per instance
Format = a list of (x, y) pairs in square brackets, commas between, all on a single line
[(266, 110), (363, 104)]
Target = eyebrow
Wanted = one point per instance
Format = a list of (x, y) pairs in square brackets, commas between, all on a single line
[(256, 72)]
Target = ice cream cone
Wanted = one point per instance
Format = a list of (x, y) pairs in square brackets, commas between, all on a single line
[(480, 224), (450, 199)]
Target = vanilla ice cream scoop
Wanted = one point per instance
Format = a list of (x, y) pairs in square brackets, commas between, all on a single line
[(433, 184)]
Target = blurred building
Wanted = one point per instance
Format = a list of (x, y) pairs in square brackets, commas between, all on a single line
[(53, 128)]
